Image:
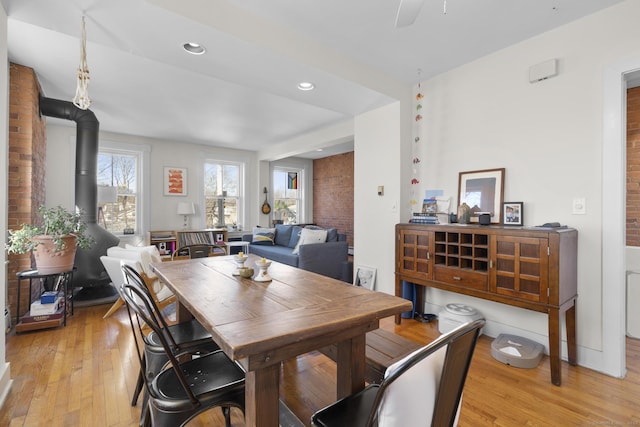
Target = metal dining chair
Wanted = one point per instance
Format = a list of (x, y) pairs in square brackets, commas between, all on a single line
[(423, 389), (184, 335), (171, 396)]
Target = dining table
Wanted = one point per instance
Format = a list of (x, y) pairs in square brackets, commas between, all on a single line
[(260, 324)]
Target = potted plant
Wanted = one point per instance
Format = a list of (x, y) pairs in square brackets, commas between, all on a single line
[(53, 243)]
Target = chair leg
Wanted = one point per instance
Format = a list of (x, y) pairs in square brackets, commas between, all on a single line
[(116, 305), (136, 392), (227, 415)]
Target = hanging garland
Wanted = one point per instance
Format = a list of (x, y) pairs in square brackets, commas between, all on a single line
[(415, 160)]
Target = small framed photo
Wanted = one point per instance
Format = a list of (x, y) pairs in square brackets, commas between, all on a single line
[(365, 277), (175, 181), (512, 213)]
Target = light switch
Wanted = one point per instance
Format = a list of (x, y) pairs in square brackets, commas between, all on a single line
[(579, 206), (380, 190)]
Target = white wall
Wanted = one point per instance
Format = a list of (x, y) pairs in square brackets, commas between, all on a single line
[(547, 135), (5, 373), (162, 212)]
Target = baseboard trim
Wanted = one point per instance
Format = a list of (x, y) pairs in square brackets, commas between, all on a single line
[(5, 383)]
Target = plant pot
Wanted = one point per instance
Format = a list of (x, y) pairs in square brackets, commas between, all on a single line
[(50, 261)]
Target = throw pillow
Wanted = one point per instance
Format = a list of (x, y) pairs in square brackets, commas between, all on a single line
[(263, 236), (283, 234), (295, 236), (309, 236), (332, 235)]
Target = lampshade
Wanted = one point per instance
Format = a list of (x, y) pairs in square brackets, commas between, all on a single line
[(186, 208), (107, 194)]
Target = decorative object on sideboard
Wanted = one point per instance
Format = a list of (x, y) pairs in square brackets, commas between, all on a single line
[(513, 213), (484, 218), (482, 191), (186, 209), (464, 214)]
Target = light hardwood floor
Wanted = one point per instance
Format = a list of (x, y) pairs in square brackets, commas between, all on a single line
[(84, 375)]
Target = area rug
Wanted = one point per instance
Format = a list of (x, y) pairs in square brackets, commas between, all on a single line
[(95, 295)]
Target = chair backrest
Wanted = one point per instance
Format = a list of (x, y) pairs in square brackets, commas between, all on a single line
[(142, 309), (135, 281), (428, 383)]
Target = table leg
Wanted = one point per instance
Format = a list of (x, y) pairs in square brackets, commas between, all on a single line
[(554, 345), (351, 366), (262, 393)]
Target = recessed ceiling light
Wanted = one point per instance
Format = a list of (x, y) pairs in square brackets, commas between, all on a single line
[(306, 86), (194, 48)]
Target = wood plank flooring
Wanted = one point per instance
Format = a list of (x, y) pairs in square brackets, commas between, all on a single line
[(84, 375)]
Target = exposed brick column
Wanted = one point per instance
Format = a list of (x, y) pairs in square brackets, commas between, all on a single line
[(26, 175), (333, 193)]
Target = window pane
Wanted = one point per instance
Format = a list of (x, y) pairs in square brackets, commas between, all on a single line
[(287, 195), (222, 190), (118, 170)]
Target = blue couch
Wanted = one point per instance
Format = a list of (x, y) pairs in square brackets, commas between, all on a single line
[(328, 258)]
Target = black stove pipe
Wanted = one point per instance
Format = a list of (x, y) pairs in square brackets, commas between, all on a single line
[(90, 271)]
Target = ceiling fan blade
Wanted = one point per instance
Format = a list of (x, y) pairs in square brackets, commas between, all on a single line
[(408, 12)]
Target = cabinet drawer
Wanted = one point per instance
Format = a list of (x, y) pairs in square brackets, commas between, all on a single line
[(456, 276)]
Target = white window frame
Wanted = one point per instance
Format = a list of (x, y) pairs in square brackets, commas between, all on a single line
[(241, 202), (142, 154), (300, 215)]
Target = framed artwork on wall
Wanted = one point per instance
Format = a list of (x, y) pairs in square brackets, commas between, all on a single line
[(482, 191), (512, 212), (175, 181)]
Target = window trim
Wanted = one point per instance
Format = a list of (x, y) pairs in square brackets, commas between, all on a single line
[(142, 151), (302, 185), (241, 206)]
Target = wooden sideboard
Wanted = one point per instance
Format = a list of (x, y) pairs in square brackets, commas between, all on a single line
[(528, 267)]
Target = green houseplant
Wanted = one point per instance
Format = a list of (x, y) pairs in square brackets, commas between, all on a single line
[(54, 242)]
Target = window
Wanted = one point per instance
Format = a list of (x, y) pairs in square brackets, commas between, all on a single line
[(223, 191), (118, 190), (287, 195)]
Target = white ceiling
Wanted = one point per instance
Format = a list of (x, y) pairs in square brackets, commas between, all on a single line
[(242, 92)]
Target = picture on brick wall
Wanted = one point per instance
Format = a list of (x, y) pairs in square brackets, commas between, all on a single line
[(365, 277), (175, 181)]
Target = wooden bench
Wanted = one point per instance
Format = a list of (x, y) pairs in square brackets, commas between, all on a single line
[(383, 349)]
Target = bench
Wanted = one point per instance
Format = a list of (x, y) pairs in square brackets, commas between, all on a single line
[(383, 349)]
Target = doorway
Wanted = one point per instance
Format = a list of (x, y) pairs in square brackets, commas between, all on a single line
[(616, 78)]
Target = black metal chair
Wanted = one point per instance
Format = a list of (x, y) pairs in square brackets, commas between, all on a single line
[(432, 377), (189, 335), (183, 388)]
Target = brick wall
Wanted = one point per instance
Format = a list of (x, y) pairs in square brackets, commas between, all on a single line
[(333, 193), (26, 175)]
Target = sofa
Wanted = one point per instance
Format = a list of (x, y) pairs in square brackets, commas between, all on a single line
[(311, 248)]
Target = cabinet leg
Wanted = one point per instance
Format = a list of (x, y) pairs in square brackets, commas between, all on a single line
[(570, 320), (554, 345)]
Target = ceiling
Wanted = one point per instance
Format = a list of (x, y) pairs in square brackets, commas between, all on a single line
[(242, 92)]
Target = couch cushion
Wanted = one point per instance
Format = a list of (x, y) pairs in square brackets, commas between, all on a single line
[(263, 236), (332, 235), (283, 234), (295, 235), (275, 253), (310, 236)]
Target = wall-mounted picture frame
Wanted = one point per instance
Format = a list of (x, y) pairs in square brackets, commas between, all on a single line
[(175, 181), (365, 277), (482, 191), (513, 213)]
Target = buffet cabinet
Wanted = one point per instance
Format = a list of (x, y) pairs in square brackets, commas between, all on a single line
[(528, 267)]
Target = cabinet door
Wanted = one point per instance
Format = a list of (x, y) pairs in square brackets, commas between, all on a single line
[(520, 267), (414, 253)]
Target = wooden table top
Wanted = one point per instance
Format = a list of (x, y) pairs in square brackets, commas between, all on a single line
[(298, 311)]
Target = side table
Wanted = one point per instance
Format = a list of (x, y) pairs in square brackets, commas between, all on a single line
[(237, 243), (49, 282)]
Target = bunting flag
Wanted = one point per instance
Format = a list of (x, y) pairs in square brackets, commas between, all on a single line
[(415, 160), (292, 182)]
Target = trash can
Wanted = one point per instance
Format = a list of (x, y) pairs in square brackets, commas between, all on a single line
[(409, 293)]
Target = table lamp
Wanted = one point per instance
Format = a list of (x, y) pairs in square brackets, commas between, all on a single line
[(186, 209)]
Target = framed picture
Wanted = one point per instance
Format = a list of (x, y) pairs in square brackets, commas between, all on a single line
[(175, 181), (482, 191), (512, 213), (365, 277)]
